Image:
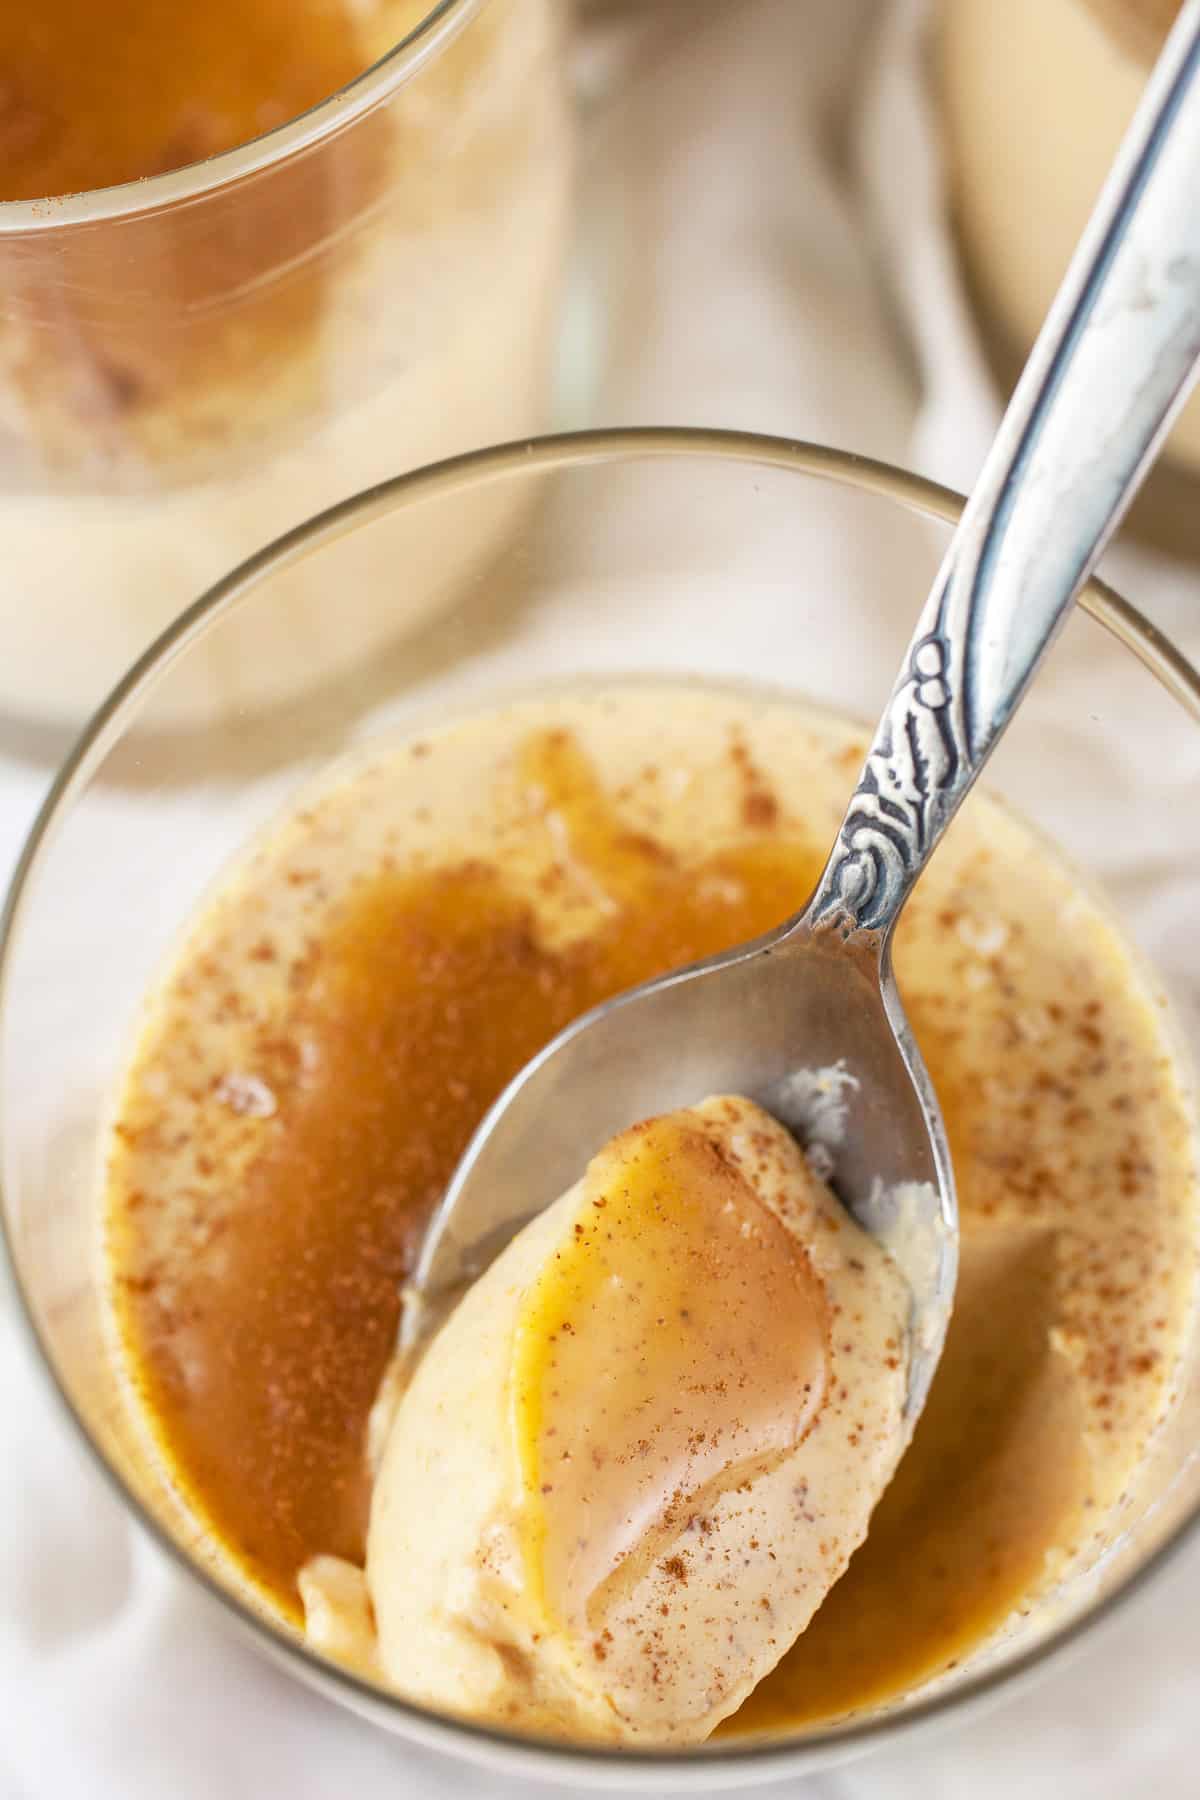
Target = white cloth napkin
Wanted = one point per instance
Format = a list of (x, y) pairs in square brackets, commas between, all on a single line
[(767, 244)]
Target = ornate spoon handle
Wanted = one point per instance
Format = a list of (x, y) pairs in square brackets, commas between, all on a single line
[(1114, 360)]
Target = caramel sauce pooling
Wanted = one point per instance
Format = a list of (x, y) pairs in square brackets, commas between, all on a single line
[(680, 1298), (95, 94)]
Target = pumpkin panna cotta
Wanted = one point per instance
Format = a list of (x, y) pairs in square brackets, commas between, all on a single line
[(624, 1497)]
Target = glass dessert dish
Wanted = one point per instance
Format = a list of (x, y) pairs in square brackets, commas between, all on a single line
[(746, 564), (193, 362)]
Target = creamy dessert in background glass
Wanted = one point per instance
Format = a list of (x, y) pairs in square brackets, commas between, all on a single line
[(194, 359), (212, 1194), (1028, 147)]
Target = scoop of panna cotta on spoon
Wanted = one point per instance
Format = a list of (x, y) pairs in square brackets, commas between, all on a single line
[(639, 1452)]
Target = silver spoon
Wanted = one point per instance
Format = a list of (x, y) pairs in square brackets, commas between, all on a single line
[(808, 1020)]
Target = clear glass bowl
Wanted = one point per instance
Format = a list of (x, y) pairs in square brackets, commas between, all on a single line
[(194, 363), (693, 553)]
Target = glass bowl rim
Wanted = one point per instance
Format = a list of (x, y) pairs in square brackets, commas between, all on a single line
[(443, 20), (603, 1765)]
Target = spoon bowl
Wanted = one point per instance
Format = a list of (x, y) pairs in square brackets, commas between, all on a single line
[(809, 1028)]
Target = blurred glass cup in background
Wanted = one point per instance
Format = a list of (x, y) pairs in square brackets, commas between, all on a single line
[(193, 363)]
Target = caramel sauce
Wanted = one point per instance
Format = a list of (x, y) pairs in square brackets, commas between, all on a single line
[(420, 1006), (638, 1328), (92, 95), (152, 343), (422, 993)]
